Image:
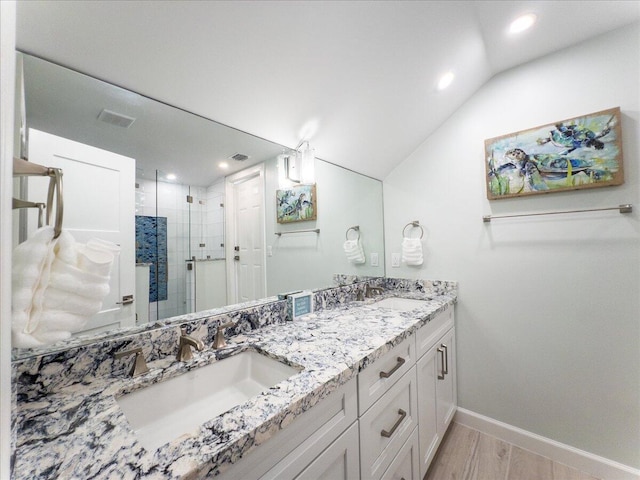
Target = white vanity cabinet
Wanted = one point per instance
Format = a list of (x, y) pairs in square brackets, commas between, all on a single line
[(436, 376)]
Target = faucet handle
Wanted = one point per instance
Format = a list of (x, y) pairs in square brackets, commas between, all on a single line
[(139, 366), (219, 341)]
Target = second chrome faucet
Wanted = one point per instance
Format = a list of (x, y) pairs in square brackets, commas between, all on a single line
[(185, 344)]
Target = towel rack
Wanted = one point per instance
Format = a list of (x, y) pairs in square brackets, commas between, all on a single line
[(315, 230), (414, 224), (355, 228), (24, 168), (625, 208)]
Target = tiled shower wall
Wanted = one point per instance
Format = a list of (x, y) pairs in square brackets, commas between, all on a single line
[(202, 220)]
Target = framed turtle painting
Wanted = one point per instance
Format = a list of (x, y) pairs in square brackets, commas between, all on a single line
[(296, 204), (572, 154)]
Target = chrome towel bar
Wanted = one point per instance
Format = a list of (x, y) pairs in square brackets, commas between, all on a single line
[(23, 167), (315, 230), (625, 208)]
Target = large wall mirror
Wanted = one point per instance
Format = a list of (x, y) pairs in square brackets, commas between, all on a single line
[(197, 208)]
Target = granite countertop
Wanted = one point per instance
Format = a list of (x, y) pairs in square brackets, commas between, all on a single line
[(80, 432)]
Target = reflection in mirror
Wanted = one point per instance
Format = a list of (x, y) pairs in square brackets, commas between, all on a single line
[(192, 230)]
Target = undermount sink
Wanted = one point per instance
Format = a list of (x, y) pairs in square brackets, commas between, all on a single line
[(164, 411), (400, 304)]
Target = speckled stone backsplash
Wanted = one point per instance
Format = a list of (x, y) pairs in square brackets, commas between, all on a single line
[(437, 287), (46, 373), (43, 374)]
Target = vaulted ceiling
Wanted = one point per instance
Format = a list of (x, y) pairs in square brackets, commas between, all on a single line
[(357, 78)]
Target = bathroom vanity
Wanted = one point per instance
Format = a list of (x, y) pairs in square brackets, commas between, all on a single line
[(368, 390)]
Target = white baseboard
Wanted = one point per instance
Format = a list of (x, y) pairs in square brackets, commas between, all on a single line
[(586, 462)]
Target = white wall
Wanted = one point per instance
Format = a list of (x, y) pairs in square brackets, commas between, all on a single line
[(309, 260), (548, 314)]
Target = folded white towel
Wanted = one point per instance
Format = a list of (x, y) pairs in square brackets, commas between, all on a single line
[(58, 285), (354, 251), (412, 251)]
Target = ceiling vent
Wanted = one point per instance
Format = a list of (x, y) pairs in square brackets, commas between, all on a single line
[(114, 118), (239, 157)]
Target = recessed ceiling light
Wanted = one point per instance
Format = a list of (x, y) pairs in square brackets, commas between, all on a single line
[(223, 165), (445, 80), (171, 176), (522, 23)]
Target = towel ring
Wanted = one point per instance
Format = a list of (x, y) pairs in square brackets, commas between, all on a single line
[(356, 229), (414, 224)]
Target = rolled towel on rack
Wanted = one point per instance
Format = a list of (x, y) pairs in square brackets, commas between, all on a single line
[(354, 251), (412, 251), (58, 285)]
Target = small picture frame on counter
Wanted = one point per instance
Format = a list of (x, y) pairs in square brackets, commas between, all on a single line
[(299, 304)]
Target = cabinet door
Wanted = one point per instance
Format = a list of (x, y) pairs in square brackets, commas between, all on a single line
[(340, 461), (427, 369), (446, 392)]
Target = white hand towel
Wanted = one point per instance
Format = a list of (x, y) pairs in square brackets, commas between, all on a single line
[(412, 251), (58, 285), (354, 251)]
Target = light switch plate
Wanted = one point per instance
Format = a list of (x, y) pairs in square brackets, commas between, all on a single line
[(374, 260), (269, 251), (395, 259)]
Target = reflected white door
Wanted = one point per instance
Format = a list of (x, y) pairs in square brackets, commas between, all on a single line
[(99, 202), (245, 247)]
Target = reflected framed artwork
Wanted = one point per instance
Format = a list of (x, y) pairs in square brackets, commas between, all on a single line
[(296, 204), (572, 154)]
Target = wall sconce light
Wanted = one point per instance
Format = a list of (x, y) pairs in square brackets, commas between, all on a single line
[(307, 163), (288, 171), (297, 167)]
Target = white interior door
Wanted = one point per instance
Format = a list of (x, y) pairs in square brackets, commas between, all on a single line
[(99, 202), (246, 245)]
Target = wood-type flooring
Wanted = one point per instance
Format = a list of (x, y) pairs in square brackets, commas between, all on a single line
[(466, 454)]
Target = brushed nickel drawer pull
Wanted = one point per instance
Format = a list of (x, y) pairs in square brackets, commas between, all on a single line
[(446, 359), (393, 370), (402, 414), (441, 375)]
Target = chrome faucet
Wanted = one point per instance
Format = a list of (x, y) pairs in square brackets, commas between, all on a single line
[(219, 341), (369, 291), (184, 346)]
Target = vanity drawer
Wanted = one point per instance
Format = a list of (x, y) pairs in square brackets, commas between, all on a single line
[(387, 425), (406, 465), (378, 377), (432, 331)]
